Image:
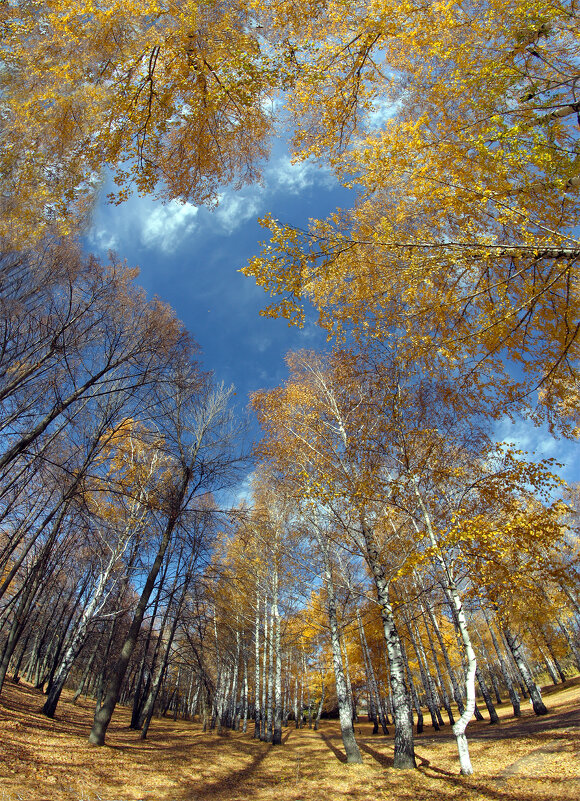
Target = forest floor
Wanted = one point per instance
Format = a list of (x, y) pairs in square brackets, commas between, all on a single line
[(530, 759)]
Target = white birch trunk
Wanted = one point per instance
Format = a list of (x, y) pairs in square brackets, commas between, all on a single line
[(277, 727), (515, 647), (270, 697), (257, 716), (445, 697), (90, 612), (351, 748), (512, 691), (453, 595), (404, 756), (264, 675), (245, 694)]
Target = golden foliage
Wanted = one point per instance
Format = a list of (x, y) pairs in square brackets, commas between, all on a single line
[(169, 96), (458, 127)]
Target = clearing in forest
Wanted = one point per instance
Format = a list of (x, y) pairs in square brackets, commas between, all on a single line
[(533, 759)]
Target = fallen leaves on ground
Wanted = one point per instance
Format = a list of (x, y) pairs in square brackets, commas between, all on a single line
[(531, 759)]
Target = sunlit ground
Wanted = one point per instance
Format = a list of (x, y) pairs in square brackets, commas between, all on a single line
[(45, 760)]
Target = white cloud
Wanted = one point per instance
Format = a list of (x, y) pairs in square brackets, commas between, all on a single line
[(383, 110), (236, 208), (526, 437), (538, 443), (103, 240), (282, 174), (151, 223), (168, 225)]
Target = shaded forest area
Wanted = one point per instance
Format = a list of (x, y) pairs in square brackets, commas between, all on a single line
[(391, 562)]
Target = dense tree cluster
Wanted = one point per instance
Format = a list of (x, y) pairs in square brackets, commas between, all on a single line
[(113, 440)]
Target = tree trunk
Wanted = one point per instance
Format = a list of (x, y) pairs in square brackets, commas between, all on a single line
[(513, 693), (150, 703), (373, 687), (425, 677), (245, 693), (32, 585), (87, 670), (277, 732), (493, 717), (448, 666), (404, 756), (270, 688), (445, 697), (553, 656), (414, 693), (550, 667), (515, 647), (351, 748), (344, 653), (257, 715), (142, 687), (105, 713), (18, 665), (461, 725), (296, 697), (75, 644), (320, 706), (454, 599), (17, 626), (264, 675), (570, 641)]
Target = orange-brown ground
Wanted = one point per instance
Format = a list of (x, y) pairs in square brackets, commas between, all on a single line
[(534, 759)]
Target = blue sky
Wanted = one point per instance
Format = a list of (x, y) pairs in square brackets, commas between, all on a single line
[(190, 257)]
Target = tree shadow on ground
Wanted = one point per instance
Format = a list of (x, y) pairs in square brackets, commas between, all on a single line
[(531, 726), (327, 739), (383, 760), (488, 788), (194, 790)]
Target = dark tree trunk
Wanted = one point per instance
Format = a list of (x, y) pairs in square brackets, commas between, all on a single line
[(104, 714), (493, 716), (534, 691)]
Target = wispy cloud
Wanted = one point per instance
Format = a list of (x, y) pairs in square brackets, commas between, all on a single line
[(103, 240), (168, 225), (284, 175), (235, 209), (538, 443), (383, 110), (143, 221), (260, 344), (526, 437), (165, 228)]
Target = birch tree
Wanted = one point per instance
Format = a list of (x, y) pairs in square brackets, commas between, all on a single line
[(117, 529), (322, 416), (457, 129)]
